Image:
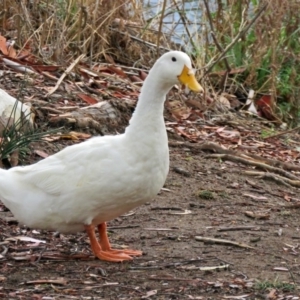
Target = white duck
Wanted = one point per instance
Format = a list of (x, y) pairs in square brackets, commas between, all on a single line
[(11, 107), (88, 184)]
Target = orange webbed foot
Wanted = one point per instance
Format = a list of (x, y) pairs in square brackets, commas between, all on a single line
[(112, 257), (129, 252), (105, 245), (99, 252)]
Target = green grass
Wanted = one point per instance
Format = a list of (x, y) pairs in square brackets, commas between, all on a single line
[(206, 195), (267, 132), (283, 286), (224, 195), (17, 136)]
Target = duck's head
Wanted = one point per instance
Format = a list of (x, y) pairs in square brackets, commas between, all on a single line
[(176, 67)]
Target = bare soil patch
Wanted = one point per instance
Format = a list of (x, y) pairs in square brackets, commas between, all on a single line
[(204, 197), (225, 226)]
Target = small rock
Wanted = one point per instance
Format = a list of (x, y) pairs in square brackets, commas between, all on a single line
[(181, 171)]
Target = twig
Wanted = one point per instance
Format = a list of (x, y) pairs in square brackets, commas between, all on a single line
[(94, 25), (282, 133), (183, 19), (123, 227), (66, 72), (235, 40), (5, 250), (166, 208), (222, 241), (237, 228), (140, 40), (160, 27), (161, 229), (174, 279), (51, 110), (210, 21), (209, 268), (41, 254)]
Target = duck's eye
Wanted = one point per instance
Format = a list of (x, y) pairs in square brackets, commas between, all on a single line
[(174, 58)]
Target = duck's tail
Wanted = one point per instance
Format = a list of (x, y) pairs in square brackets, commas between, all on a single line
[(3, 173), (5, 185)]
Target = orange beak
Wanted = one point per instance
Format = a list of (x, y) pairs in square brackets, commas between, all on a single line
[(187, 77)]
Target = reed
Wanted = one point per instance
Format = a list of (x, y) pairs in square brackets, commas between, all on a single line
[(256, 43)]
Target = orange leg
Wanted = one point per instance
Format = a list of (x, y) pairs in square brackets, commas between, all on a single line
[(101, 253), (105, 244)]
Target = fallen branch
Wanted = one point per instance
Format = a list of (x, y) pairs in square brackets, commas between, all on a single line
[(272, 162), (256, 164), (276, 178), (272, 166)]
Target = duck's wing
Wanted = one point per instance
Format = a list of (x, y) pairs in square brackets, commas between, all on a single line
[(48, 178), (55, 174), (71, 168)]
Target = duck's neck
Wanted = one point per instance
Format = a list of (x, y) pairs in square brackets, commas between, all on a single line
[(148, 115)]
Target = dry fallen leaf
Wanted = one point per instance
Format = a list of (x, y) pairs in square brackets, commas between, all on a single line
[(224, 102), (229, 134), (74, 135), (3, 47), (117, 70), (14, 158), (257, 215), (11, 51), (41, 153), (149, 294), (134, 78), (178, 109), (88, 99), (272, 295), (143, 75), (254, 197)]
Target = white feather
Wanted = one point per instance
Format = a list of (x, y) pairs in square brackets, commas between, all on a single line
[(7, 104), (104, 177)]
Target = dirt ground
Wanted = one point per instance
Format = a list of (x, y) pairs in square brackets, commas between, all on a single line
[(202, 197), (225, 226)]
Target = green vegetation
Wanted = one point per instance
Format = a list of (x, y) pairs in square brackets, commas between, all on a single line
[(283, 286), (267, 132), (268, 52), (263, 57), (255, 43), (16, 138), (286, 213), (224, 195), (206, 195)]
